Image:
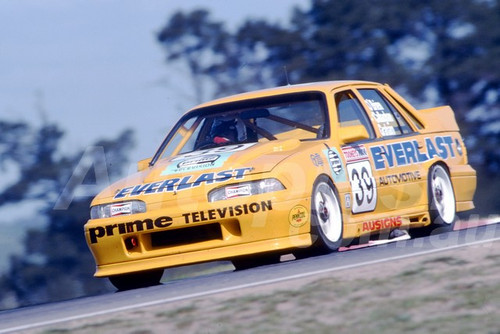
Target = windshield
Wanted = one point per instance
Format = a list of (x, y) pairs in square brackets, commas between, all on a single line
[(300, 116)]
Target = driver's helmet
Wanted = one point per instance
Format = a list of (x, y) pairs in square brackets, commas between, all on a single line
[(225, 132)]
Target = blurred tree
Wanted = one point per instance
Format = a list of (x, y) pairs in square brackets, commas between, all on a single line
[(436, 52), (56, 263), (198, 41)]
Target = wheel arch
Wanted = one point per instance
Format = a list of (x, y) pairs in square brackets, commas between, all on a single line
[(447, 169), (443, 211), (316, 180), (321, 243), (335, 188)]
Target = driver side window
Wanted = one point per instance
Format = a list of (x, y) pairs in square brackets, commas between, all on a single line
[(350, 112)]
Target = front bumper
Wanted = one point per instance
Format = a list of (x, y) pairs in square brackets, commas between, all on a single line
[(222, 230)]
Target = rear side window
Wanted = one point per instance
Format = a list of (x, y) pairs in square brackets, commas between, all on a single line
[(388, 119), (350, 112), (409, 115)]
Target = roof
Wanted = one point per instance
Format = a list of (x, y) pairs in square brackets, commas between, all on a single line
[(312, 86)]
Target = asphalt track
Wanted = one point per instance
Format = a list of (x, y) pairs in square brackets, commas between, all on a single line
[(17, 320)]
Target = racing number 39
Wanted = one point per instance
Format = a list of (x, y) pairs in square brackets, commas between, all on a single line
[(363, 185)]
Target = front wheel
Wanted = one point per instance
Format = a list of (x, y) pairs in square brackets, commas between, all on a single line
[(136, 280), (326, 217), (442, 205)]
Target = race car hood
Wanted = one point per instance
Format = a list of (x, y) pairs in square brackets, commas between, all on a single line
[(201, 167)]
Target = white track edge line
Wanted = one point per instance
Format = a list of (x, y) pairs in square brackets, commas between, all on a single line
[(250, 285)]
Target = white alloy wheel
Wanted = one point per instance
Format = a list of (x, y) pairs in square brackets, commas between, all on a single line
[(328, 212), (442, 196), (326, 220)]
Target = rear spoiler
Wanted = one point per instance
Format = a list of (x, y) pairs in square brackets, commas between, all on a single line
[(437, 119)]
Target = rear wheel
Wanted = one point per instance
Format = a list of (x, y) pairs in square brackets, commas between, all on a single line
[(326, 217), (136, 280), (442, 205)]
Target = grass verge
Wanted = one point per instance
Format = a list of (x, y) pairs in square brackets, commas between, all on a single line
[(449, 292)]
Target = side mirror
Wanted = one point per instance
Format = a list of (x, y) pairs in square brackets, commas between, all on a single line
[(350, 134), (143, 164)]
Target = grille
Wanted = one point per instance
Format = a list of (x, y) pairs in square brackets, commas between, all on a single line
[(186, 236)]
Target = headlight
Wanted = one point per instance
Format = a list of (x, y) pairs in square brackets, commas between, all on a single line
[(245, 189), (117, 209)]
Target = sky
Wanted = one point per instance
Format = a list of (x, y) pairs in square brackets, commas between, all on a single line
[(95, 67)]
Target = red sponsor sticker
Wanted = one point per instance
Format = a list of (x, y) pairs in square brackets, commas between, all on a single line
[(380, 224), (354, 153)]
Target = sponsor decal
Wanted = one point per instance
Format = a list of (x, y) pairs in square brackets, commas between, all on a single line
[(399, 178), (227, 212), (316, 159), (204, 159), (298, 216), (386, 131), (354, 153), (383, 117), (197, 161), (374, 105), (237, 191), (195, 164), (347, 201), (215, 150), (181, 183), (96, 233), (336, 164), (408, 152), (384, 223), (120, 209), (363, 184)]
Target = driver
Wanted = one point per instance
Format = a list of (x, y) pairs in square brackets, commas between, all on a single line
[(225, 133)]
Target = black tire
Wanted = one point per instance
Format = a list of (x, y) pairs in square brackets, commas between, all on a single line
[(252, 261), (441, 201), (136, 280), (326, 219)]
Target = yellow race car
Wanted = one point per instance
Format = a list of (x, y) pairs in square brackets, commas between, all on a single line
[(294, 169)]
